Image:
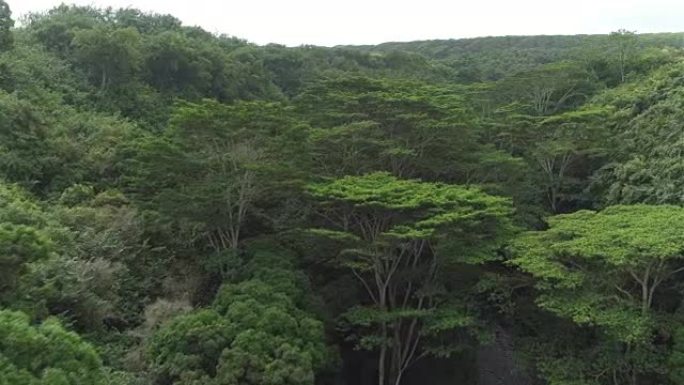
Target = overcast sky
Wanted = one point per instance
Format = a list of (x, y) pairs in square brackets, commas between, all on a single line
[(328, 22)]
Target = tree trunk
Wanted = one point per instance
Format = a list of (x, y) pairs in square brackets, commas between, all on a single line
[(496, 365), (103, 80), (382, 358), (397, 378)]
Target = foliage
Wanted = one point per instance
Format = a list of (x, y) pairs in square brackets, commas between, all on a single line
[(645, 152), (676, 359), (45, 354), (404, 233), (6, 24), (254, 333), (202, 209), (22, 238), (605, 269)]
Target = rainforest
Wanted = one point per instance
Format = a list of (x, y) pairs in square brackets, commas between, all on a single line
[(179, 207)]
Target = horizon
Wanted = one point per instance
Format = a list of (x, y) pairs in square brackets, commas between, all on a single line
[(307, 22)]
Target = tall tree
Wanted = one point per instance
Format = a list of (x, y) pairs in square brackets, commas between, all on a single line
[(548, 89), (214, 165), (111, 56), (6, 24), (402, 235), (566, 149), (410, 128), (605, 269), (624, 47)]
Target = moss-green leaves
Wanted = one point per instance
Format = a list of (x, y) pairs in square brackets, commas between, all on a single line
[(45, 355)]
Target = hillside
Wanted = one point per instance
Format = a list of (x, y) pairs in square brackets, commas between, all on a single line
[(491, 58)]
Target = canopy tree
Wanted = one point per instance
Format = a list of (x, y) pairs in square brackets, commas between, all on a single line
[(604, 269), (646, 142), (214, 165), (548, 89), (566, 149), (624, 47), (111, 56), (401, 236), (410, 128)]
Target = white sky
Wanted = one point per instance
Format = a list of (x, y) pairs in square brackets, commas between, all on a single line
[(328, 22)]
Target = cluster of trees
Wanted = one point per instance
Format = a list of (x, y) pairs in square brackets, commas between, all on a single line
[(182, 208)]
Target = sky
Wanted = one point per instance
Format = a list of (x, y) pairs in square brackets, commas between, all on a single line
[(340, 22)]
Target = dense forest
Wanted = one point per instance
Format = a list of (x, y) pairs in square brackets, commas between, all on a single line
[(183, 208)]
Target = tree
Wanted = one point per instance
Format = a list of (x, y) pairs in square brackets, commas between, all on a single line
[(19, 246), (653, 179), (624, 46), (24, 149), (676, 359), (215, 164), (646, 145), (55, 29), (110, 56), (63, 262), (410, 128), (6, 24), (38, 75), (175, 63), (22, 239), (46, 354), (255, 333), (561, 142), (605, 269), (560, 152), (401, 236), (146, 23), (641, 243), (548, 89)]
